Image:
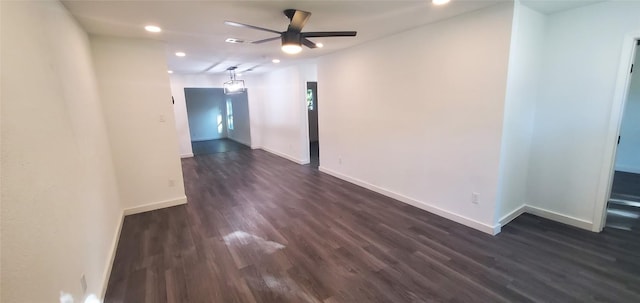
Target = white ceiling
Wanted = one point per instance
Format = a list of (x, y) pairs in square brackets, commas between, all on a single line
[(554, 6), (198, 29)]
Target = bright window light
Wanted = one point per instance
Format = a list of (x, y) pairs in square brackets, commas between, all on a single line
[(229, 115)]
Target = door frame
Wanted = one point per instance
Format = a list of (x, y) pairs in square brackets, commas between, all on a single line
[(621, 92)]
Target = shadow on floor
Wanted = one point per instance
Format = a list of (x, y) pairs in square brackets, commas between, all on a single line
[(216, 146)]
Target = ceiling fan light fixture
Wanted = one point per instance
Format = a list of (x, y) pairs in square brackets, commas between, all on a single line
[(291, 43), (291, 49), (294, 38)]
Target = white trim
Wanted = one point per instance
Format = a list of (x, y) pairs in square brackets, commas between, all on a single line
[(112, 257), (512, 215), (628, 169), (613, 131), (283, 155), (554, 216), (189, 155), (492, 230), (155, 205)]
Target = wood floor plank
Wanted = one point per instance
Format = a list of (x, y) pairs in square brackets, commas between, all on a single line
[(259, 228)]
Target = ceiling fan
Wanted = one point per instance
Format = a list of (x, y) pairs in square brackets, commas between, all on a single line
[(293, 38)]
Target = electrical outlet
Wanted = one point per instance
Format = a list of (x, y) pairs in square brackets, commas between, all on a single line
[(475, 198), (83, 283), (172, 183)]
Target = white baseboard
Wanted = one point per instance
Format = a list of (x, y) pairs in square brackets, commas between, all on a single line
[(512, 215), (155, 205), (112, 257), (283, 155), (190, 155), (492, 230), (554, 216)]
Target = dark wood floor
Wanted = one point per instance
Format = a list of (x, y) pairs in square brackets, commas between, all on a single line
[(259, 228), (216, 146)]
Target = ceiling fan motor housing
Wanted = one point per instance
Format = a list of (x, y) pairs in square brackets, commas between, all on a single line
[(291, 37)]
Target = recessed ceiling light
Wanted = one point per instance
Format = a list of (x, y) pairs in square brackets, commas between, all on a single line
[(320, 45), (440, 2), (170, 71), (180, 54), (153, 28), (233, 40), (275, 60)]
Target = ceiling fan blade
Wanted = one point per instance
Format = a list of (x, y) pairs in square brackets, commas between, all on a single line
[(298, 20), (329, 34), (308, 43), (236, 24), (265, 40)]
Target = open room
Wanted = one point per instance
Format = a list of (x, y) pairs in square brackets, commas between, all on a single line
[(320, 151), (218, 122)]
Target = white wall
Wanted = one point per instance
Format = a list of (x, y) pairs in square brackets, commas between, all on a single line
[(180, 82), (581, 57), (241, 131), (135, 92), (281, 106), (628, 153), (418, 115), (206, 110), (522, 91), (60, 204)]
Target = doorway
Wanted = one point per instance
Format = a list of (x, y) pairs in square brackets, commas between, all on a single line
[(218, 123), (623, 208), (312, 112)]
